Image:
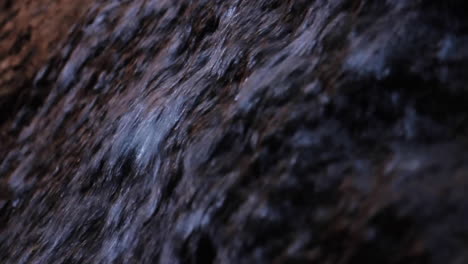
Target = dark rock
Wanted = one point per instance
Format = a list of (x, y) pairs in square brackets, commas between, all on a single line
[(157, 131)]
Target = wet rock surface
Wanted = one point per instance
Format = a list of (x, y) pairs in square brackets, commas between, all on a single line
[(154, 131)]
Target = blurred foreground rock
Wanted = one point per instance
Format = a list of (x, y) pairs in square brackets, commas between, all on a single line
[(176, 131)]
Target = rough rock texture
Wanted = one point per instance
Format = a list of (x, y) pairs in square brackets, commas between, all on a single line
[(230, 131)]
